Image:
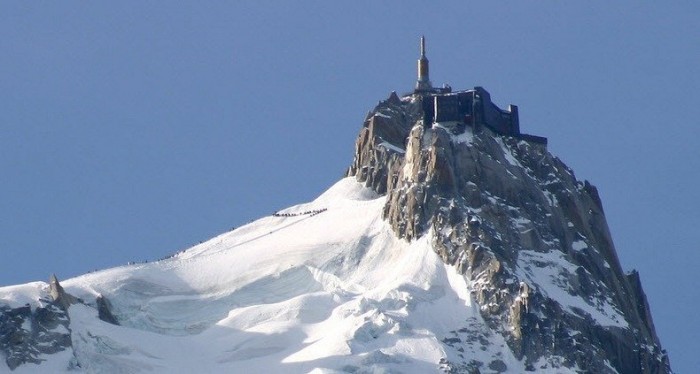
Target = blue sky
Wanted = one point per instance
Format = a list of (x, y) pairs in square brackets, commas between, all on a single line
[(130, 131)]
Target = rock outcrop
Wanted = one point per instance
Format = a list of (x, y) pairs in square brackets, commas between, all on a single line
[(59, 295), (30, 331), (530, 238), (42, 328), (104, 310)]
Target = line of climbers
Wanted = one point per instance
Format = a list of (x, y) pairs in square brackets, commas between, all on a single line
[(310, 213)]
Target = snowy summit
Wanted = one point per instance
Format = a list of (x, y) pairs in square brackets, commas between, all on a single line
[(454, 244)]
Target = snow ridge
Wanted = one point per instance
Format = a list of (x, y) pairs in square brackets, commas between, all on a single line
[(327, 293)]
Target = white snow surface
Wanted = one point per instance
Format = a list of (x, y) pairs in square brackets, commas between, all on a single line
[(579, 245), (321, 287), (325, 292), (392, 147), (508, 154)]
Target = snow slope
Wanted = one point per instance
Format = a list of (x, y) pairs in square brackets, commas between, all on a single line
[(320, 287)]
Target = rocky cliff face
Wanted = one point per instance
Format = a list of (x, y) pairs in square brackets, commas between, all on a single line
[(29, 332), (32, 332), (530, 238)]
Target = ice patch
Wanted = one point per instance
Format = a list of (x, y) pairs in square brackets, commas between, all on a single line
[(551, 198), (379, 114), (579, 245), (391, 147), (508, 154), (467, 137)]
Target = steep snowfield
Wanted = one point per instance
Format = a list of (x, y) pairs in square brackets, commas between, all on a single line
[(322, 287)]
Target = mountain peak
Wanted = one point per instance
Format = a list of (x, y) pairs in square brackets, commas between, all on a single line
[(531, 239), (455, 243)]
